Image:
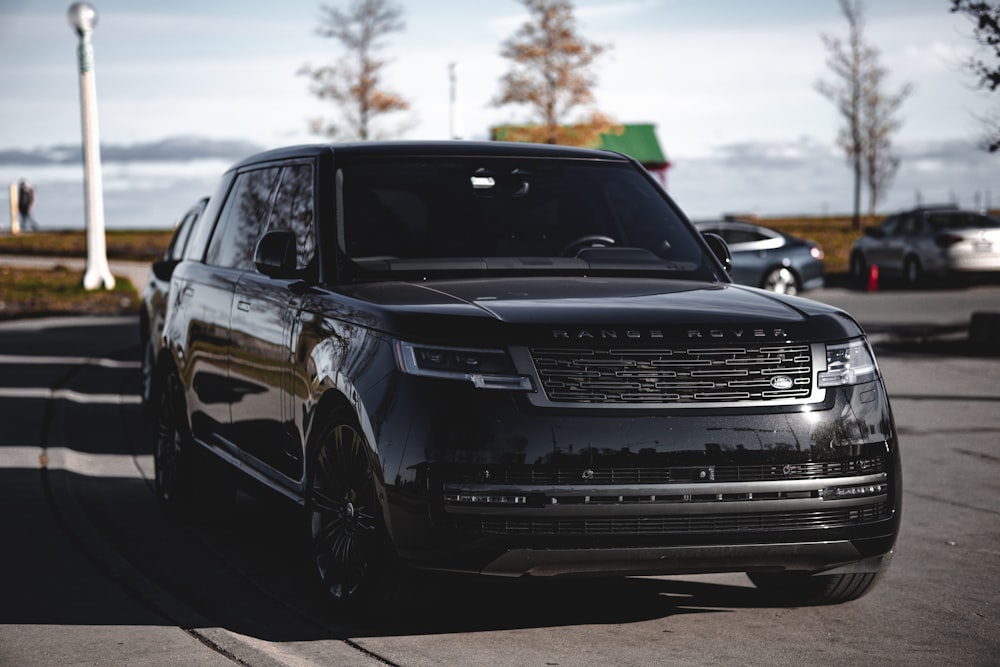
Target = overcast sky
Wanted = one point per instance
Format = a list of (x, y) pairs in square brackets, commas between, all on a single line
[(730, 86)]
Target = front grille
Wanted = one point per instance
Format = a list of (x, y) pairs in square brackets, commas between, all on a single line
[(677, 524), (675, 374)]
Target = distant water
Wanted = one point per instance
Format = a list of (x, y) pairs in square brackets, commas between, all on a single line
[(152, 195), (137, 195)]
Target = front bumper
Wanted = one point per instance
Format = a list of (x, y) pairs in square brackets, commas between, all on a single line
[(488, 483)]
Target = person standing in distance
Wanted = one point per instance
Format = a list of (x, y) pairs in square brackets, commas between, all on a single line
[(25, 202)]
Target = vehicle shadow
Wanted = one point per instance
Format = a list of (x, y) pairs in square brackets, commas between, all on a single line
[(263, 545), (249, 574), (456, 604)]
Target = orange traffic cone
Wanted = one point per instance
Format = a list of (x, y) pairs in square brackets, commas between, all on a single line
[(873, 278)]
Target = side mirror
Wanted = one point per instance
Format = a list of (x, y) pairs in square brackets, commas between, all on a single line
[(720, 249), (165, 268), (875, 232), (275, 254)]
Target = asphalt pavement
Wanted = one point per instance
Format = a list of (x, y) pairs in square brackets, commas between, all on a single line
[(50, 577)]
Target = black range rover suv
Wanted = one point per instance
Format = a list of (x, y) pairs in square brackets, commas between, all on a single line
[(515, 360)]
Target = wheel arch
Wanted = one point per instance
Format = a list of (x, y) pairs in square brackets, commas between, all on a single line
[(335, 407)]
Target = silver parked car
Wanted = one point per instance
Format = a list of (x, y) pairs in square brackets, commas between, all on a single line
[(764, 257), (932, 240)]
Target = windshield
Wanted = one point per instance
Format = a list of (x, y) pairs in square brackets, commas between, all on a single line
[(509, 215)]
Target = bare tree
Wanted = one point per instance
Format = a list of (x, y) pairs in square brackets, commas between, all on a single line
[(878, 123), (867, 111), (551, 74), (986, 18), (354, 82)]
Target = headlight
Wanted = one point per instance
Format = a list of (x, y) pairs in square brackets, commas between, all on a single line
[(849, 363), (486, 369)]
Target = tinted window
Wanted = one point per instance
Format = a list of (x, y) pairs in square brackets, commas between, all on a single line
[(196, 245), (944, 221), (293, 209), (983, 221), (890, 225), (911, 225), (505, 208), (179, 242), (734, 236), (242, 220)]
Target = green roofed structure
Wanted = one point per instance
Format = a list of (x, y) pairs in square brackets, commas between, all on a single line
[(637, 140)]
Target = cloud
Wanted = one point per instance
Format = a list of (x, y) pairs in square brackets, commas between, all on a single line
[(775, 178)]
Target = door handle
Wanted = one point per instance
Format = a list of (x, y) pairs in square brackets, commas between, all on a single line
[(244, 306)]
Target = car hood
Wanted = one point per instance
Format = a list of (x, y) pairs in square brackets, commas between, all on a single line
[(579, 308)]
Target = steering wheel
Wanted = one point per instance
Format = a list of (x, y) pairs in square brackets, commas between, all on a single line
[(588, 241)]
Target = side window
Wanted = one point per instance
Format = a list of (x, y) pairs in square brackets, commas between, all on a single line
[(939, 221), (982, 221), (890, 226), (179, 242), (740, 236), (294, 209), (913, 226), (242, 220), (202, 231)]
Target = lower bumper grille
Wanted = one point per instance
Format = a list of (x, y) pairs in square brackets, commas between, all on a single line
[(683, 524)]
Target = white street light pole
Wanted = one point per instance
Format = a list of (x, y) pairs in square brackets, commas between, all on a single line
[(455, 103), (83, 17)]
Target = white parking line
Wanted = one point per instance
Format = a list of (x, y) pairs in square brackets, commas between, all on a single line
[(75, 321), (81, 463), (69, 395), (69, 361)]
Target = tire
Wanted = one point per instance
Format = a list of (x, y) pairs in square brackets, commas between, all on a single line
[(353, 559), (913, 273), (796, 589), (189, 483), (781, 280)]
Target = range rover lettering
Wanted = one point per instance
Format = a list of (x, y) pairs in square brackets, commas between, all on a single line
[(514, 360)]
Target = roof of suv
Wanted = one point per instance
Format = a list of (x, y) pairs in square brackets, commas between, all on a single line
[(436, 148)]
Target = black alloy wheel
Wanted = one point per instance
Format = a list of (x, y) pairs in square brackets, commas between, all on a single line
[(169, 450), (781, 280), (189, 483), (351, 552)]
